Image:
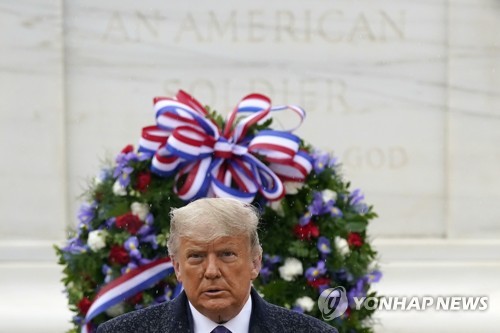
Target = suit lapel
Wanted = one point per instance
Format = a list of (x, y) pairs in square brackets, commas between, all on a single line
[(258, 318), (178, 316)]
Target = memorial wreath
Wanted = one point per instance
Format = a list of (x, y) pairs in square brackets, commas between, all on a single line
[(313, 226)]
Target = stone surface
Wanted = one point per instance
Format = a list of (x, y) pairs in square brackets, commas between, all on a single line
[(405, 93), (372, 77), (474, 120), (32, 171)]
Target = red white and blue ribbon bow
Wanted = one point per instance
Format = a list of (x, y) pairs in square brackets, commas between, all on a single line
[(223, 162), (127, 286)]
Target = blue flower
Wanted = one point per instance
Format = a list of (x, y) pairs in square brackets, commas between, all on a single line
[(145, 230), (358, 291), (87, 212), (343, 275), (323, 160), (149, 219), (143, 156), (151, 239), (314, 272), (124, 178), (316, 207), (361, 286), (123, 170), (265, 274), (356, 196), (305, 219), (272, 260), (324, 245), (331, 209), (124, 158), (268, 264), (110, 222), (373, 276), (78, 320), (108, 273), (75, 246), (130, 266), (145, 261), (132, 246), (356, 200)]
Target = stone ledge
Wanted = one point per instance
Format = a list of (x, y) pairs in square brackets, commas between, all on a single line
[(437, 250)]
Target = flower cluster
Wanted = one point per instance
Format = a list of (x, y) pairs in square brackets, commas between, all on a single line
[(313, 238), (116, 234), (327, 246)]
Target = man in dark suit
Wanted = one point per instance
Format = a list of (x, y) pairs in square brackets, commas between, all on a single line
[(216, 255)]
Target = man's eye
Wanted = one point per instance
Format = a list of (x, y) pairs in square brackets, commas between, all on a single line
[(195, 256), (228, 254)]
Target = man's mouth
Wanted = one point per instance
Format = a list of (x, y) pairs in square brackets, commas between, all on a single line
[(213, 291)]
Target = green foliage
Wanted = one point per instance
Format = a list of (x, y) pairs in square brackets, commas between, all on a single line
[(84, 262)]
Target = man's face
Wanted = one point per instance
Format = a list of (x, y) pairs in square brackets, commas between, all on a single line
[(217, 276)]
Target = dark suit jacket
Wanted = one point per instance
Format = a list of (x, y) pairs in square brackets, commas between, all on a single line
[(175, 316)]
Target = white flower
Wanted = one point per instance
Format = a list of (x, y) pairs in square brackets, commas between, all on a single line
[(140, 209), (293, 187), (116, 310), (277, 207), (118, 189), (306, 303), (97, 239), (342, 245), (290, 269), (328, 195)]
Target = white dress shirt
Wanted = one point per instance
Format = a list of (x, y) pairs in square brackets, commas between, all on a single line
[(239, 324)]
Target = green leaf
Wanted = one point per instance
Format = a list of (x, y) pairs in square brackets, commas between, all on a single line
[(356, 226)]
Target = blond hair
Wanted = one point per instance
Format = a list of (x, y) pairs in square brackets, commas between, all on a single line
[(212, 218)]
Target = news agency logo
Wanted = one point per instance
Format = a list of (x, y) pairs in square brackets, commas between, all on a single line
[(332, 303)]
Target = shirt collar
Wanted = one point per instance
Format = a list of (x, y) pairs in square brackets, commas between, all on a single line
[(239, 324)]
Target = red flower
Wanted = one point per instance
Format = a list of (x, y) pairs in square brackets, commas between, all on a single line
[(307, 231), (130, 222), (84, 305), (128, 149), (354, 239), (143, 180), (118, 255), (319, 282), (136, 299)]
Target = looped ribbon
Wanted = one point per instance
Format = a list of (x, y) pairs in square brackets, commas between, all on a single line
[(224, 162)]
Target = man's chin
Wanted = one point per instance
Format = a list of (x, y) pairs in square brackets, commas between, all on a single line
[(215, 305)]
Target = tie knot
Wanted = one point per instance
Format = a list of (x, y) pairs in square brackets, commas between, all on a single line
[(220, 329)]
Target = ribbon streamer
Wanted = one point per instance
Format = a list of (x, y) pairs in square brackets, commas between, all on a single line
[(127, 286), (225, 162)]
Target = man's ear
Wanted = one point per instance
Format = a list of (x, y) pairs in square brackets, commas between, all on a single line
[(177, 269), (256, 265)]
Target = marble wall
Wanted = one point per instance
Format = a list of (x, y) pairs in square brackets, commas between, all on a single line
[(33, 198), (406, 93)]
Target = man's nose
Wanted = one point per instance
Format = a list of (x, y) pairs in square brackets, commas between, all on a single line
[(212, 270)]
